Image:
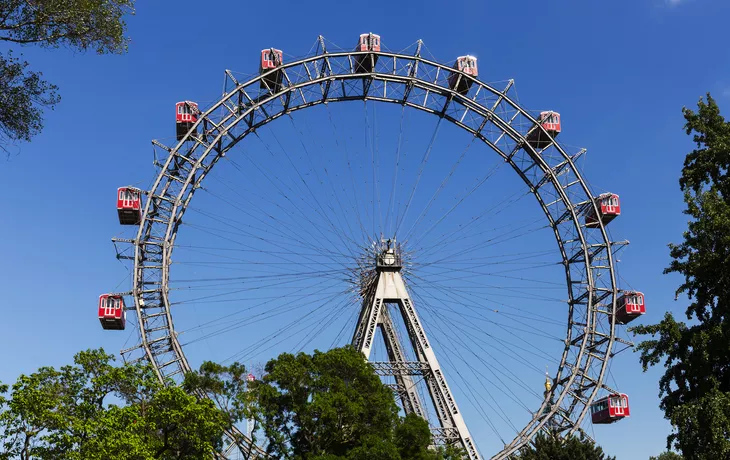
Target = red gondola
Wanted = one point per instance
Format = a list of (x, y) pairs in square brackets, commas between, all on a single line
[(271, 59), (609, 207), (468, 65), (629, 307), (129, 205), (365, 63), (186, 114), (111, 312), (610, 409), (550, 121)]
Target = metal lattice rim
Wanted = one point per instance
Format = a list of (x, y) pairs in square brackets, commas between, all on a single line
[(165, 207)]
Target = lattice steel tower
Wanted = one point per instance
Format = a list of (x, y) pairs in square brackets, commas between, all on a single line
[(386, 286)]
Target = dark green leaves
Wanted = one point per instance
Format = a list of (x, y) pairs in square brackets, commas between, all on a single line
[(332, 406), (326, 406), (707, 164), (95, 410), (81, 25), (695, 388), (547, 447), (669, 455), (325, 403), (23, 95)]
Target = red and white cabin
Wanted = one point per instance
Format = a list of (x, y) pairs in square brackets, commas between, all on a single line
[(271, 59), (365, 63), (186, 115), (129, 205), (112, 314), (609, 207), (610, 409), (629, 307), (550, 121), (468, 65), (368, 42)]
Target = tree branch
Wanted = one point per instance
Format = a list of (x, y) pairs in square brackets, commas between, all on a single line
[(26, 41)]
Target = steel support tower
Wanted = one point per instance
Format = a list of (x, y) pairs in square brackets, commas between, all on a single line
[(386, 286)]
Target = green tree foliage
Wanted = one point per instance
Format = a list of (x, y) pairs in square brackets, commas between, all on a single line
[(228, 387), (82, 25), (22, 95), (669, 455), (326, 406), (332, 406), (546, 447), (95, 410), (695, 388)]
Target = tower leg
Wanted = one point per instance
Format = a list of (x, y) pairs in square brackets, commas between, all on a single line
[(390, 288), (369, 319), (407, 390)]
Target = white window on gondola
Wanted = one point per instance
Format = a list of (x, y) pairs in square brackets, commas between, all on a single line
[(635, 303), (128, 198), (619, 404), (109, 306), (610, 202), (630, 305)]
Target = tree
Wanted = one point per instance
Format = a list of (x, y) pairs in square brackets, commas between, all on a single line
[(228, 387), (695, 387), (326, 406), (668, 455), (548, 447), (22, 95), (331, 406), (80, 25), (66, 413)]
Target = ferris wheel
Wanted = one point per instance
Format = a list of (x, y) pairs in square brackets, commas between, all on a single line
[(382, 226)]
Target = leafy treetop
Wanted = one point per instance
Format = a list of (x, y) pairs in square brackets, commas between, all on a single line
[(668, 455), (95, 410), (333, 406), (80, 25), (695, 387), (548, 447)]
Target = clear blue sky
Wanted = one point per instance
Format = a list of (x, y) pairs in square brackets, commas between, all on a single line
[(619, 72)]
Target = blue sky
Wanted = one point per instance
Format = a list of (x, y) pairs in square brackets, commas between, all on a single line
[(619, 73)]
